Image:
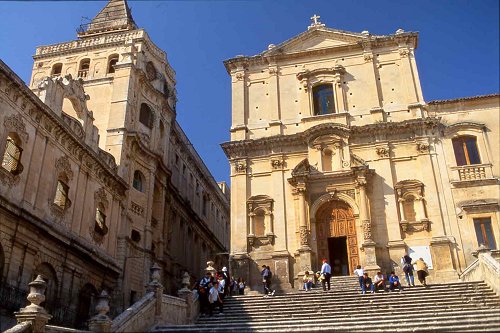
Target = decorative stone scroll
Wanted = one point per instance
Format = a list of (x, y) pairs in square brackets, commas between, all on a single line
[(382, 152), (277, 164), (63, 166), (240, 166), (422, 148), (16, 124)]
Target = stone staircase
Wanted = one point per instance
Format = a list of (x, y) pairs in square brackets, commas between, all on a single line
[(451, 307)]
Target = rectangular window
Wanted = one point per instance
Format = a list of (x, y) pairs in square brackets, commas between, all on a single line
[(11, 158), (61, 198), (484, 232), (465, 149)]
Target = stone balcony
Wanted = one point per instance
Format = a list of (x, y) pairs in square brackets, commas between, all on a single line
[(473, 175)]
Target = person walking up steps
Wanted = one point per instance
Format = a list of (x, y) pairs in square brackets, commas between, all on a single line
[(422, 271), (266, 280), (326, 271), (408, 269), (359, 272)]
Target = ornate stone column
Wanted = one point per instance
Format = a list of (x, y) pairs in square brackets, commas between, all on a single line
[(305, 260), (368, 244)]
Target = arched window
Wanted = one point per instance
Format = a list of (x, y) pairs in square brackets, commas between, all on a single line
[(146, 116), (84, 68), (113, 59), (323, 99), (138, 181), (12, 157), (326, 160), (466, 152), (56, 69)]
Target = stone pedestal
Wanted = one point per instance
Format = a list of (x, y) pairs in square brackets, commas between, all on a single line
[(34, 313), (305, 264), (397, 249), (371, 266), (442, 260)]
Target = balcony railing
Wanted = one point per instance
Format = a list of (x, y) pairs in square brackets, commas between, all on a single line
[(83, 73), (472, 173)]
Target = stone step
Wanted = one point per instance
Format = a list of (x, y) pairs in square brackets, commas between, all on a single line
[(343, 299), (355, 288), (399, 323), (347, 312), (458, 307)]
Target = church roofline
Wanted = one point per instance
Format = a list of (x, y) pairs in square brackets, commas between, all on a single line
[(358, 42), (464, 99)]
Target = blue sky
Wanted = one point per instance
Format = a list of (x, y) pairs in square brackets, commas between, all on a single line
[(457, 56)]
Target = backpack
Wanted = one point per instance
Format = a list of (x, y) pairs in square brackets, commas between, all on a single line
[(270, 275)]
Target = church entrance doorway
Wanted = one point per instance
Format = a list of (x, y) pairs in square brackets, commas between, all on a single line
[(337, 255), (336, 237)]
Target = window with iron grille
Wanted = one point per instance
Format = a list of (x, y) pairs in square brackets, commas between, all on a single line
[(12, 157)]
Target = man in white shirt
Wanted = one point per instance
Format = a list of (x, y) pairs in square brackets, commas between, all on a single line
[(326, 271), (379, 281)]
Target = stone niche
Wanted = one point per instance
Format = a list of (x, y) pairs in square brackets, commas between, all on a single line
[(412, 206)]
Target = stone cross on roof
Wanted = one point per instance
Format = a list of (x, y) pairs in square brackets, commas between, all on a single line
[(315, 22)]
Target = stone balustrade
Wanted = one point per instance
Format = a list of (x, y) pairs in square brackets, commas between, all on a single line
[(153, 309), (485, 268)]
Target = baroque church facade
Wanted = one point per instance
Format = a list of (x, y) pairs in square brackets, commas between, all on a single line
[(335, 154), (98, 181)]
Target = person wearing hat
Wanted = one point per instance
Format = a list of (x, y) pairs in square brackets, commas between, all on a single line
[(227, 279), (326, 271)]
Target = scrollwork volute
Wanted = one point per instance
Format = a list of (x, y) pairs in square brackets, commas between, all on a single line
[(16, 124), (240, 166), (63, 166)]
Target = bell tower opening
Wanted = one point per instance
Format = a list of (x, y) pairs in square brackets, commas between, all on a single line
[(336, 237)]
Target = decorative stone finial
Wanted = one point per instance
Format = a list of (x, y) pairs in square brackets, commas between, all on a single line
[(34, 313), (155, 278), (210, 268), (37, 293), (315, 22), (271, 46), (365, 33), (102, 307), (101, 322), (186, 281), (399, 31)]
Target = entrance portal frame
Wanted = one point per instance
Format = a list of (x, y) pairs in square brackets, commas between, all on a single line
[(351, 203)]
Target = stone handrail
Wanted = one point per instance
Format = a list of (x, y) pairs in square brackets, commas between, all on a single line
[(137, 318), (20, 328), (173, 310), (485, 268), (58, 329)]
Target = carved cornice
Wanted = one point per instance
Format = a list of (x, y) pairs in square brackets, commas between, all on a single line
[(15, 123), (235, 149)]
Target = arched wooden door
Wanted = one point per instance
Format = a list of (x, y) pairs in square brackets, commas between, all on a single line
[(336, 237)]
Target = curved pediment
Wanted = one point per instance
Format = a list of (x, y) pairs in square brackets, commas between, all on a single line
[(329, 129)]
